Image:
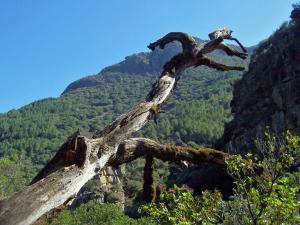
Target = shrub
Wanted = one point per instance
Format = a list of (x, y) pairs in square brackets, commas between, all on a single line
[(179, 206), (12, 177), (97, 214)]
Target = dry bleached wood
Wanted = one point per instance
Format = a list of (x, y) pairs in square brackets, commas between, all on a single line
[(81, 158)]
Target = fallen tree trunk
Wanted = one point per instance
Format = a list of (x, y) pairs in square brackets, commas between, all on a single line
[(80, 158)]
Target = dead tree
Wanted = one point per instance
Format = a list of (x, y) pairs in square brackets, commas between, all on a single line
[(79, 159)]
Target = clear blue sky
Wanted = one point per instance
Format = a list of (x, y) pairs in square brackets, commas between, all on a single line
[(45, 45)]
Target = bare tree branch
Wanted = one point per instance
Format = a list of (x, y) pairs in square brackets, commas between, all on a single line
[(134, 148)]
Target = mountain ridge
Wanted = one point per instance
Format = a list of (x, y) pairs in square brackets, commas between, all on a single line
[(139, 63)]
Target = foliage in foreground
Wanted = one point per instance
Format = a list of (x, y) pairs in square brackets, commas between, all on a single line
[(179, 206), (256, 199), (95, 214)]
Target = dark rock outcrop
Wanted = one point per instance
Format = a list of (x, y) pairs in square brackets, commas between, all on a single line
[(203, 177), (268, 95), (105, 187)]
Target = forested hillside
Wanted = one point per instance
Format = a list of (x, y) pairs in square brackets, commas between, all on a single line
[(194, 116)]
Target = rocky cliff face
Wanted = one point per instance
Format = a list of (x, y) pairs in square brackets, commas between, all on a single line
[(105, 187), (268, 95)]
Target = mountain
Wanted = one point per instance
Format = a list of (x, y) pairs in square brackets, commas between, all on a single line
[(141, 63), (268, 95)]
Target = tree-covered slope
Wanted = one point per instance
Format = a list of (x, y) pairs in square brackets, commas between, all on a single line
[(195, 115)]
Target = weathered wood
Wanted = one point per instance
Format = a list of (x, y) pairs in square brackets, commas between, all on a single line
[(135, 148), (193, 52), (81, 158)]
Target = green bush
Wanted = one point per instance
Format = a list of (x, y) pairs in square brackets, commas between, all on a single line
[(179, 206), (97, 214), (12, 177)]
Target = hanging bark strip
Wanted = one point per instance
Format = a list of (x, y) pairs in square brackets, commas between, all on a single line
[(81, 158), (149, 187)]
